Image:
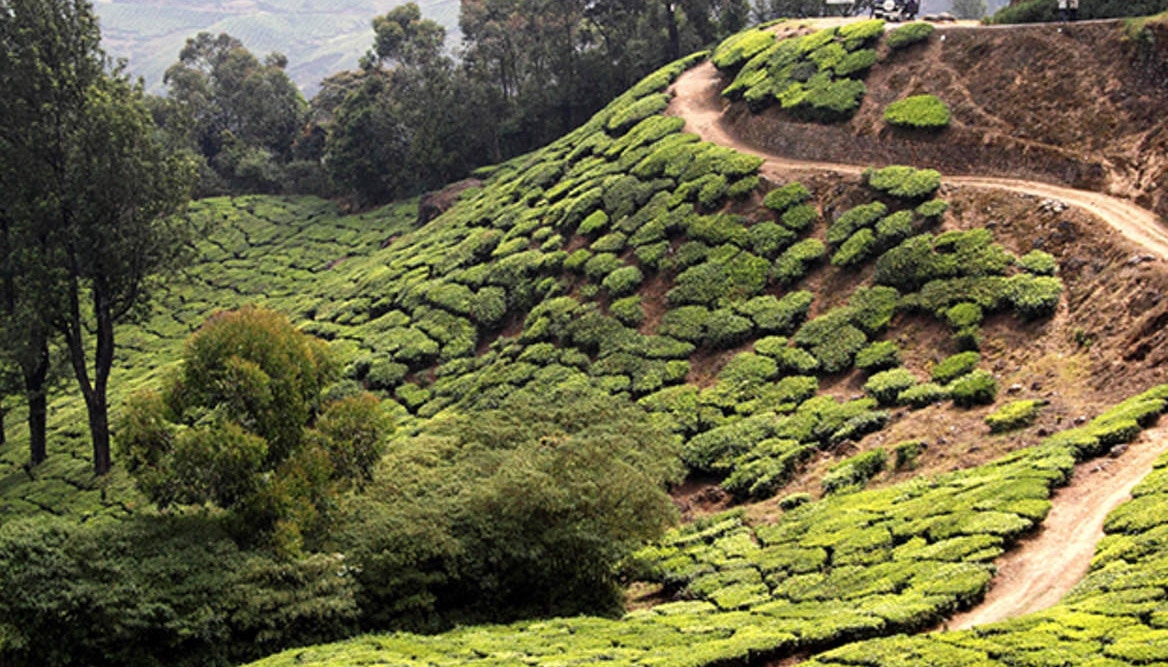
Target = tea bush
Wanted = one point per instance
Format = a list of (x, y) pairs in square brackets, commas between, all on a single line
[(904, 182), (976, 388), (955, 366), (926, 112), (1014, 415), (909, 34), (855, 471), (886, 386), (879, 356), (785, 197)]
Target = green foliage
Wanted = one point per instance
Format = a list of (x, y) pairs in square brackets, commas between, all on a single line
[(783, 198), (926, 258), (623, 281), (907, 453), (856, 250), (909, 34), (955, 366), (926, 112), (737, 49), (832, 339), (853, 220), (1013, 415), (724, 329), (932, 209), (800, 217), (976, 388), (855, 471), (242, 428), (923, 395), (767, 239), (793, 264), (904, 182), (1039, 263), (685, 323), (878, 356), (1033, 297), (886, 386), (628, 310)]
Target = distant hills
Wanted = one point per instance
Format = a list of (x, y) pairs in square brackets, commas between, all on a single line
[(320, 37)]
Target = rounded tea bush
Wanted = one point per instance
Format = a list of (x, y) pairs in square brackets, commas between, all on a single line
[(919, 111)]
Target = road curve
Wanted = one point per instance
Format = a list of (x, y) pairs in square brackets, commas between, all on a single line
[(1039, 571), (698, 100)]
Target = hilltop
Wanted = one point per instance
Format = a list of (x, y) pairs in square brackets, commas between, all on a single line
[(887, 373)]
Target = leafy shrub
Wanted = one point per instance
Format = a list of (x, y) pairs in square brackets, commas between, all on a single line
[(576, 261), (832, 339), (653, 255), (385, 374), (1014, 415), (702, 284), (800, 217), (894, 228), (963, 315), (923, 395), (625, 117), (1033, 297), (918, 111), (854, 471), (600, 265), (859, 33), (904, 182), (872, 308), (856, 62), (782, 198), (855, 250), (907, 453), (853, 220), (878, 357), (768, 238), (955, 366), (794, 262), (1039, 263), (623, 281), (628, 310), (976, 388), (614, 242), (909, 34), (932, 209), (716, 230), (737, 49), (925, 258), (790, 502), (597, 221), (725, 329), (686, 323), (773, 315), (886, 386)]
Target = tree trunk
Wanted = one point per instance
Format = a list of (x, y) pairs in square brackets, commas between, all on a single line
[(34, 391), (96, 401), (99, 432), (674, 33)]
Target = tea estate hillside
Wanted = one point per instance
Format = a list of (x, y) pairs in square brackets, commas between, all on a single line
[(885, 385)]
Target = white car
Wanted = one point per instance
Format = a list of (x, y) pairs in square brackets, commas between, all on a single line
[(895, 10)]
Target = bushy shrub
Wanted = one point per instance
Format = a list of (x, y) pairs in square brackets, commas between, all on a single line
[(1014, 415), (976, 388), (925, 112), (794, 262), (853, 220), (932, 209), (800, 217), (832, 339), (600, 265), (703, 284), (856, 250), (904, 182), (908, 34), (1039, 263), (1033, 297), (686, 323), (768, 238), (872, 308), (854, 471), (627, 116), (653, 255), (894, 228), (597, 221), (790, 502), (782, 198), (628, 310), (576, 261), (735, 50), (886, 386), (614, 242), (955, 366), (907, 453), (923, 395), (623, 281), (963, 315), (715, 230), (856, 62), (725, 329), (878, 357)]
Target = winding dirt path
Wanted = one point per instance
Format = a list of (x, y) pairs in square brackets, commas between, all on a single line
[(1042, 568)]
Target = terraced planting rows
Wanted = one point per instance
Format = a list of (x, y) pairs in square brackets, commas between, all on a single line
[(863, 564), (288, 253)]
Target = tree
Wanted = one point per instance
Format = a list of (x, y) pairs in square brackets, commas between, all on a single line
[(116, 231), (242, 427), (49, 60), (969, 9)]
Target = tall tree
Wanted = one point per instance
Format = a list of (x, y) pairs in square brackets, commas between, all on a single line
[(49, 59), (115, 233)]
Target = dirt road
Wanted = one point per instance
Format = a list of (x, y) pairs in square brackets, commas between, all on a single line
[(1039, 571), (698, 100)]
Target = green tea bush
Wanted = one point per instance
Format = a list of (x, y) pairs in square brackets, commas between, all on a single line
[(781, 316), (853, 220), (976, 388), (904, 182), (725, 329), (623, 281), (629, 115), (628, 310), (1033, 297), (963, 315), (894, 228), (1014, 415), (715, 230), (832, 339), (703, 284), (767, 239), (909, 34), (783, 198), (856, 62), (800, 217), (886, 386), (735, 50), (955, 366), (872, 308), (790, 502), (879, 356), (932, 209), (652, 256), (1039, 263), (855, 471), (614, 242), (907, 453), (925, 112), (691, 253), (859, 33), (597, 221), (576, 261), (793, 264), (600, 265), (686, 323), (856, 250)]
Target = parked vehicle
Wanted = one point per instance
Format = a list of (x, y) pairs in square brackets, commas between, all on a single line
[(896, 10)]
